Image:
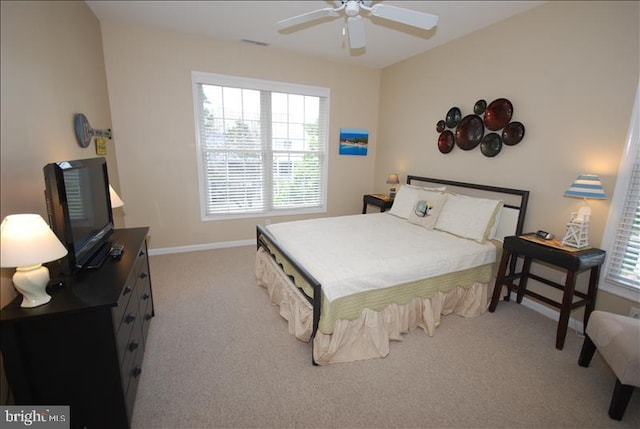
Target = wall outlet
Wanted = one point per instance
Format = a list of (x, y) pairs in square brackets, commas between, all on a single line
[(635, 312)]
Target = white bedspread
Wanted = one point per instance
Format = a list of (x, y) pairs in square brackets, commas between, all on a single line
[(352, 254)]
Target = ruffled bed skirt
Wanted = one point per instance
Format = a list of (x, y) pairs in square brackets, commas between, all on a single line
[(368, 336)]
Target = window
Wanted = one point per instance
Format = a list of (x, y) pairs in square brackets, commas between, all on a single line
[(622, 235), (75, 195), (261, 146)]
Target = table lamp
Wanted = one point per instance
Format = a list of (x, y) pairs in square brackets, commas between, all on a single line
[(393, 180), (26, 242), (585, 186), (116, 201)]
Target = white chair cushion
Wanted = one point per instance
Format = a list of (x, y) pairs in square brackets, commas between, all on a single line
[(617, 338)]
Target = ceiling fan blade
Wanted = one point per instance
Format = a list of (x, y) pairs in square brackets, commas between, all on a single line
[(413, 18), (356, 32), (309, 16)]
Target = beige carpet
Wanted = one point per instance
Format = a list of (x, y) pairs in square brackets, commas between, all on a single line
[(219, 356)]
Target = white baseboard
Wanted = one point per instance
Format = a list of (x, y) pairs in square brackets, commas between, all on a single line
[(574, 324), (199, 247)]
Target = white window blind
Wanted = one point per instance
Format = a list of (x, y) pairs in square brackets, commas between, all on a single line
[(622, 234), (624, 264), (261, 146), (75, 200)]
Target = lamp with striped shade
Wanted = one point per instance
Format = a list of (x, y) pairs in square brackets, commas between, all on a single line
[(585, 186)]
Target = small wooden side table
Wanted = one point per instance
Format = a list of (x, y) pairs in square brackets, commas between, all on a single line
[(382, 201), (574, 262)]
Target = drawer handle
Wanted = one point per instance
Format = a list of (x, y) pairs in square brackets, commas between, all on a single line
[(144, 275), (130, 318), (127, 289), (133, 345), (141, 253), (136, 371), (146, 296), (148, 317)]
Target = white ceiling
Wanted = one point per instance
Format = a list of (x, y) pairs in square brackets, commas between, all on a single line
[(387, 42)]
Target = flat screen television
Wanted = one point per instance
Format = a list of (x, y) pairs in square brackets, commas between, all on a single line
[(79, 209)]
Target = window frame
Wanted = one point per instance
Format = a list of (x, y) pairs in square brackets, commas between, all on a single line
[(618, 200), (198, 78)]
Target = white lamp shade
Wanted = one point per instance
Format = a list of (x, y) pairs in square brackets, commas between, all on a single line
[(26, 239), (393, 179), (116, 201)]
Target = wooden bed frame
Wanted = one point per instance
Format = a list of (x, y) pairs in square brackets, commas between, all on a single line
[(513, 198)]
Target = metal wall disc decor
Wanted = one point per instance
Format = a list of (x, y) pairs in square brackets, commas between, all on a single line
[(498, 114), (479, 107), (489, 127), (469, 132), (446, 141), (453, 117), (513, 133), (491, 145)]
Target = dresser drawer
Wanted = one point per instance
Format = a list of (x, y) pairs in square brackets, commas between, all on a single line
[(143, 284), (133, 328), (128, 309), (128, 323), (132, 348), (133, 375), (123, 301), (145, 307)]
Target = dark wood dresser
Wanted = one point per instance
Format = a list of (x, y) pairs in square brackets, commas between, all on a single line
[(86, 346)]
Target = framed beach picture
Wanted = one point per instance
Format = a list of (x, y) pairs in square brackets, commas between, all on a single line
[(353, 142)]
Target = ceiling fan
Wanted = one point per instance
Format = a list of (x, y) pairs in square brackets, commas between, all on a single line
[(352, 9)]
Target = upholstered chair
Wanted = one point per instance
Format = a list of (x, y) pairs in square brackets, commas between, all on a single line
[(617, 338)]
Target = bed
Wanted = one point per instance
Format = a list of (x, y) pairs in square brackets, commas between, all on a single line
[(351, 284)]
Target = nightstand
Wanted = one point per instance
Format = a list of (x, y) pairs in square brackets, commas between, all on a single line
[(572, 260), (382, 201)]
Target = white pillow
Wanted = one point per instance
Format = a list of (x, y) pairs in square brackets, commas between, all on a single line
[(405, 199), (428, 188), (427, 208), (468, 217), (494, 228), (507, 224)]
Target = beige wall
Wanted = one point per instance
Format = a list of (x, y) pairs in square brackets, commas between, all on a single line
[(149, 75), (571, 71), (52, 67)]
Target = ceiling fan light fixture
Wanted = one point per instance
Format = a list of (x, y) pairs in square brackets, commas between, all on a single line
[(352, 8)]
